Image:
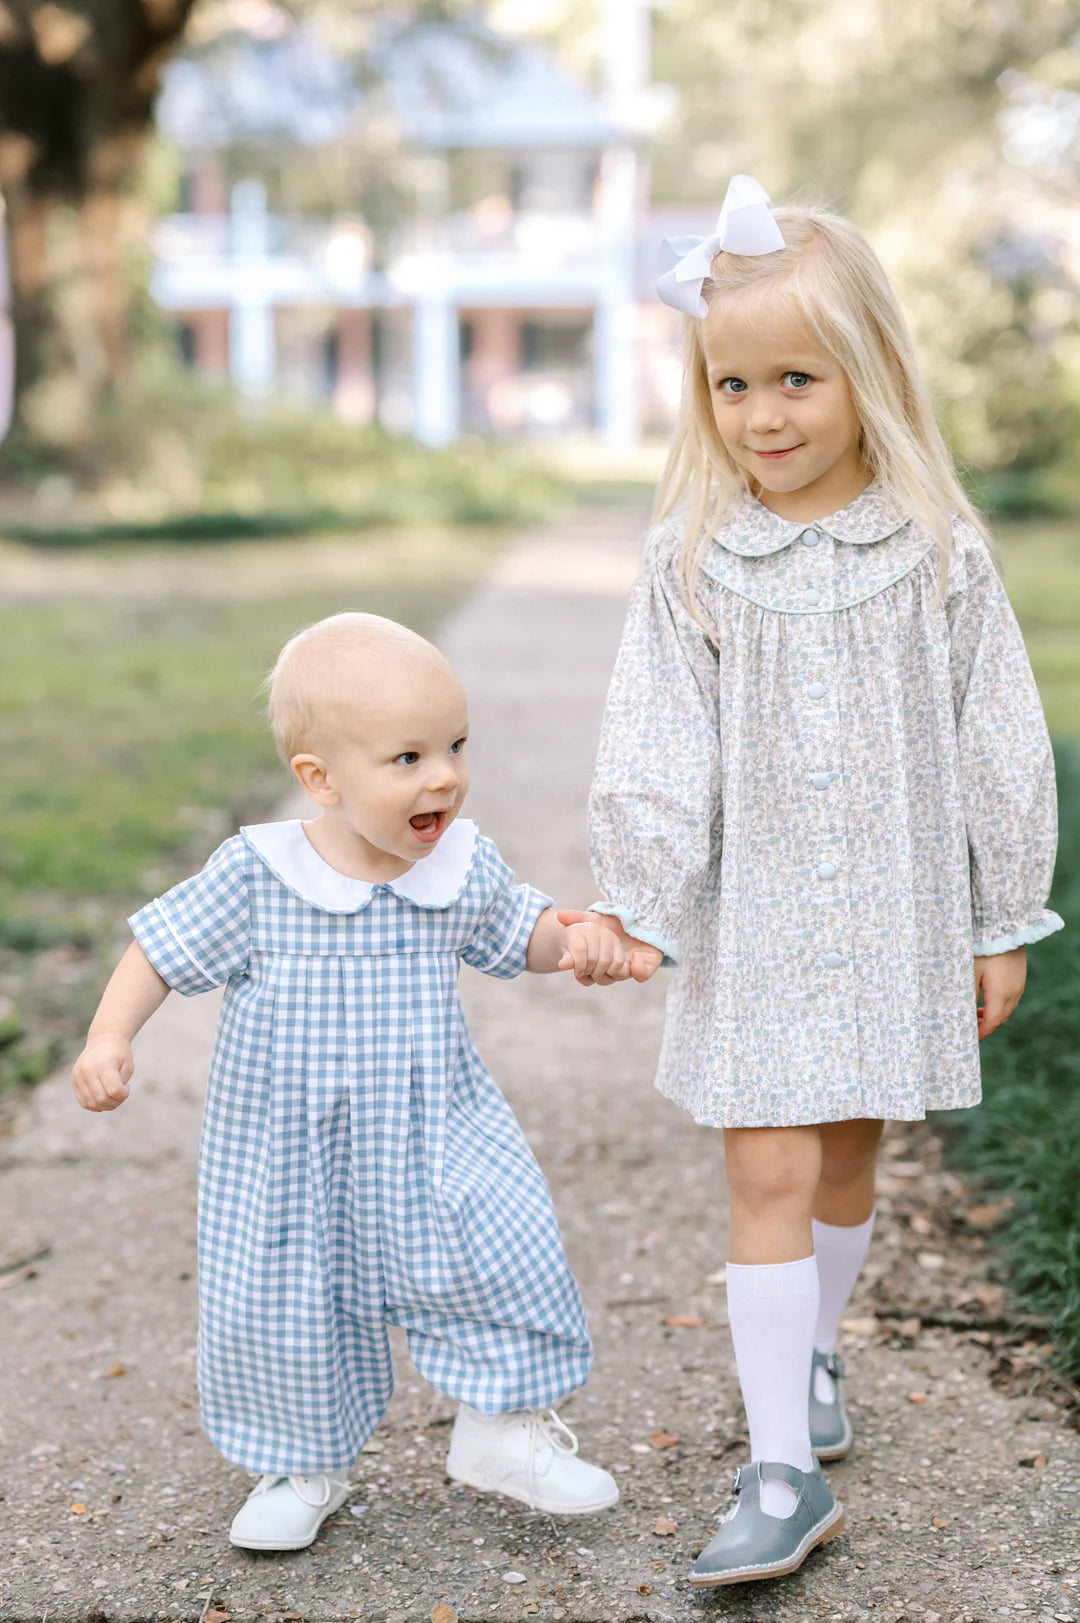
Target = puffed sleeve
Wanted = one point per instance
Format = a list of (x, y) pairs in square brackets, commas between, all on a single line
[(655, 806), (198, 935), (1006, 764), (500, 941)]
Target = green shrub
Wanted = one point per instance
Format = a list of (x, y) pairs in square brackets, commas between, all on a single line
[(1024, 1140)]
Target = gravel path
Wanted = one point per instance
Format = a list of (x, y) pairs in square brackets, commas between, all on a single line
[(114, 1505)]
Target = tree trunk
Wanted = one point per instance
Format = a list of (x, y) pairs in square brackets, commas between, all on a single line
[(78, 80)]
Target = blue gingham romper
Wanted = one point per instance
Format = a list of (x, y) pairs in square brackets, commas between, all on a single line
[(358, 1165)]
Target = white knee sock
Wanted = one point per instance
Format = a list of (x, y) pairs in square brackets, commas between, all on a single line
[(840, 1253), (772, 1308)]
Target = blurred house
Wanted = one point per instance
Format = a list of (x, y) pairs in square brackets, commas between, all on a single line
[(517, 299)]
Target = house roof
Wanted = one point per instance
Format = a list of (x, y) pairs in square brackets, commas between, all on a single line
[(460, 84)]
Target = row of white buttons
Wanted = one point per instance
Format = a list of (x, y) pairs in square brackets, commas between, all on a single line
[(820, 780)]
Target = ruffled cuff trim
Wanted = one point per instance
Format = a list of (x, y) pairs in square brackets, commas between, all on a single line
[(1047, 925), (652, 938)]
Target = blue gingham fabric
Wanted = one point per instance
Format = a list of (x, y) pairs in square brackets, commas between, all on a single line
[(358, 1165)]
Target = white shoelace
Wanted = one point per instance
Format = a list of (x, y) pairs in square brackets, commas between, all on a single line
[(269, 1480), (545, 1426)]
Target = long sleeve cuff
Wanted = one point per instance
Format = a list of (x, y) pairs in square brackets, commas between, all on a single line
[(640, 932), (1047, 924)]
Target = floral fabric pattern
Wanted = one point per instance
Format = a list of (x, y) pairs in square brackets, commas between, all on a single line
[(821, 809)]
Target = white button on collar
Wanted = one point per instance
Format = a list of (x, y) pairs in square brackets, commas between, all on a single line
[(809, 538), (832, 960), (816, 690), (821, 780), (812, 595), (826, 870)]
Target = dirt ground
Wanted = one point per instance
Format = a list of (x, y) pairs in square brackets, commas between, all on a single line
[(962, 1492)]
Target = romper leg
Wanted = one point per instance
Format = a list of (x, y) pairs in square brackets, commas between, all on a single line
[(291, 1388), (477, 1274)]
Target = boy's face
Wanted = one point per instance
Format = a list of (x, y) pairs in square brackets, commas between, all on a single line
[(783, 407), (397, 764)]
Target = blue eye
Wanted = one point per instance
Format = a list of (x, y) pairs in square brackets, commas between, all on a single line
[(797, 380), (409, 757), (731, 386), (457, 747)]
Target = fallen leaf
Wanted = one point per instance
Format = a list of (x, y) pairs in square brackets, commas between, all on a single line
[(916, 1397), (991, 1298), (663, 1527), (987, 1216), (681, 1321), (644, 1589), (78, 1510), (372, 1447), (514, 1578), (443, 1614), (859, 1327), (663, 1439), (658, 1566), (1033, 1462), (940, 1521), (111, 1374), (216, 1615)]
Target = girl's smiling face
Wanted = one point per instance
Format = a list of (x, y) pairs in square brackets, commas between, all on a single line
[(783, 408)]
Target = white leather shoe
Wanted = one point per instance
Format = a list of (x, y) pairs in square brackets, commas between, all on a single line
[(285, 1512), (528, 1455)]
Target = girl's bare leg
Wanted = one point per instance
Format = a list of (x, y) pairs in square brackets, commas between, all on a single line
[(845, 1191)]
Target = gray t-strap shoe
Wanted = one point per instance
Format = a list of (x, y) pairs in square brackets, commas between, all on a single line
[(751, 1544), (830, 1428)]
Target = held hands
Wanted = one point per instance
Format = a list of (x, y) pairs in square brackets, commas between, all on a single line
[(1001, 980), (102, 1073), (624, 957)]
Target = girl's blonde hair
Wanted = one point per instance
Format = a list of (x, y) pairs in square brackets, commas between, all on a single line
[(830, 277)]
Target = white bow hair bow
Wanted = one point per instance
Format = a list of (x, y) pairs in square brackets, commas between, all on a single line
[(745, 226)]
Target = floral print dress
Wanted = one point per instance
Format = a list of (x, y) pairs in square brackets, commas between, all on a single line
[(821, 809)]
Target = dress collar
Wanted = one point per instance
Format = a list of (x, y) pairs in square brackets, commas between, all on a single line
[(435, 881), (753, 530)]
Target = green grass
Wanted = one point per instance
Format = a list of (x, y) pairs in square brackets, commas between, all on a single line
[(1041, 561), (1024, 1140)]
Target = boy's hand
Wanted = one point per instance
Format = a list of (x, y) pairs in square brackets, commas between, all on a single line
[(1001, 980), (102, 1073), (593, 953), (641, 961)]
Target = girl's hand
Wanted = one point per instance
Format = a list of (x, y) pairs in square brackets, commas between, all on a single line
[(641, 960), (102, 1073), (1001, 979), (594, 954)]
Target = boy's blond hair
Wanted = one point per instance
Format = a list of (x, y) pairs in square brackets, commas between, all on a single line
[(318, 669), (829, 277)]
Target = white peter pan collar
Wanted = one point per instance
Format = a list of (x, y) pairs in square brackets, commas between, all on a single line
[(434, 881)]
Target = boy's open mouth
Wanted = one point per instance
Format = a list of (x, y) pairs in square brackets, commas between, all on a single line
[(428, 825)]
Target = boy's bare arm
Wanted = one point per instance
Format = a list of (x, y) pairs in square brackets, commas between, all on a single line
[(103, 1070)]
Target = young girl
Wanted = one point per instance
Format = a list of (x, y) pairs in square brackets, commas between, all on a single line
[(358, 1166), (824, 791)]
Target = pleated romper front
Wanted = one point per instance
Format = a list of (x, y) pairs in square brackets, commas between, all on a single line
[(358, 1165)]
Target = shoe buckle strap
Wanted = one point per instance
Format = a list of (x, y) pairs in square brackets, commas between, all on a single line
[(736, 1481), (835, 1366)]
